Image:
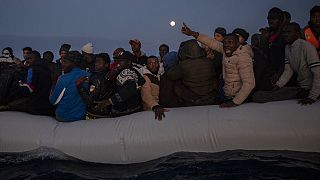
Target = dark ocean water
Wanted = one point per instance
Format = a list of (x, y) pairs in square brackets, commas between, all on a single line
[(236, 164)]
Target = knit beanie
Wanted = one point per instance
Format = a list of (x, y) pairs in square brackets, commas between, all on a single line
[(242, 33), (88, 48), (221, 31)]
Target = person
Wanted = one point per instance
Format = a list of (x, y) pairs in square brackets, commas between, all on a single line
[(65, 96), (140, 58), (219, 34), (36, 88), (63, 51), (26, 51), (238, 75), (163, 50), (302, 58), (286, 17), (126, 99), (100, 89), (48, 58), (243, 37), (150, 89), (194, 76), (88, 57), (312, 30), (261, 66), (8, 53)]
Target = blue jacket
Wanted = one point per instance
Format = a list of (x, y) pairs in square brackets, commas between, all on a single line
[(70, 106)]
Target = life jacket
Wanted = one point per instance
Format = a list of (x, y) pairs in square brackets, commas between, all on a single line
[(310, 37)]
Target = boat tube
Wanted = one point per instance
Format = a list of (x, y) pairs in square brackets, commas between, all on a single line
[(283, 125)]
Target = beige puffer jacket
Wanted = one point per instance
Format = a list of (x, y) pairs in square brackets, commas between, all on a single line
[(237, 70)]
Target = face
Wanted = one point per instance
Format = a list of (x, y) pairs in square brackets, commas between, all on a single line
[(274, 22), (135, 47), (163, 51), (290, 34), (48, 57), (6, 53), (241, 39), (153, 65), (315, 19), (63, 54), (218, 37), (67, 65), (230, 44), (26, 53), (99, 64), (89, 58)]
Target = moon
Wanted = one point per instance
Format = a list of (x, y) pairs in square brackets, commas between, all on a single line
[(172, 23)]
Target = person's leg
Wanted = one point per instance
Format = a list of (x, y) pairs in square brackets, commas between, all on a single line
[(281, 94)]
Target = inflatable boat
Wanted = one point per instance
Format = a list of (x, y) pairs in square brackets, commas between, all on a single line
[(135, 138)]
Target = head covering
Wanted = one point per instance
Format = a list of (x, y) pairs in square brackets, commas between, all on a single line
[(124, 55), (276, 13), (134, 41), (169, 60), (314, 10), (74, 56), (242, 33), (88, 48), (65, 47), (221, 31)]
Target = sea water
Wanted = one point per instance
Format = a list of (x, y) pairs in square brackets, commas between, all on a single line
[(46, 164)]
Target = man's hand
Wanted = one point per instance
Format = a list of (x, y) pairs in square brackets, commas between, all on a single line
[(81, 80), (306, 101), (228, 104), (276, 87), (159, 112), (187, 31)]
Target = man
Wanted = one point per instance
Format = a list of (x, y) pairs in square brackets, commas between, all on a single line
[(35, 89), (99, 88), (140, 58), (126, 99), (26, 52), (237, 70), (219, 34), (194, 76), (312, 31), (88, 58), (150, 89), (65, 95), (302, 58), (48, 58), (63, 51), (163, 50)]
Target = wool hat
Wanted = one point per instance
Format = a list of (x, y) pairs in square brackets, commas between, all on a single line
[(221, 31), (124, 55), (242, 33), (74, 56), (134, 41), (88, 48), (65, 47)]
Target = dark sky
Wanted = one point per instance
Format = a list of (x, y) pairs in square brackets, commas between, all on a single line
[(117, 21)]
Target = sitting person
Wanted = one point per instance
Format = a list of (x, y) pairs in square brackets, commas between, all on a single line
[(99, 88), (196, 83), (302, 58), (65, 95), (243, 37), (126, 99), (237, 70), (150, 89), (35, 89)]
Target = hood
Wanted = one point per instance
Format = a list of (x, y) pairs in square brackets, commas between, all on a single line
[(190, 50)]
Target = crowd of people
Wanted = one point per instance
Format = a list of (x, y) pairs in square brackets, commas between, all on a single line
[(281, 63)]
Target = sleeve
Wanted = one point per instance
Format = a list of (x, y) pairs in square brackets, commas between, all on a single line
[(58, 92), (211, 43), (128, 89), (146, 94), (286, 75), (314, 65), (247, 77)]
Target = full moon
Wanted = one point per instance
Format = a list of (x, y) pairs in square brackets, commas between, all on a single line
[(172, 23)]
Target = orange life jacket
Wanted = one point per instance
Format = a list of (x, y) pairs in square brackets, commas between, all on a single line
[(310, 37)]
